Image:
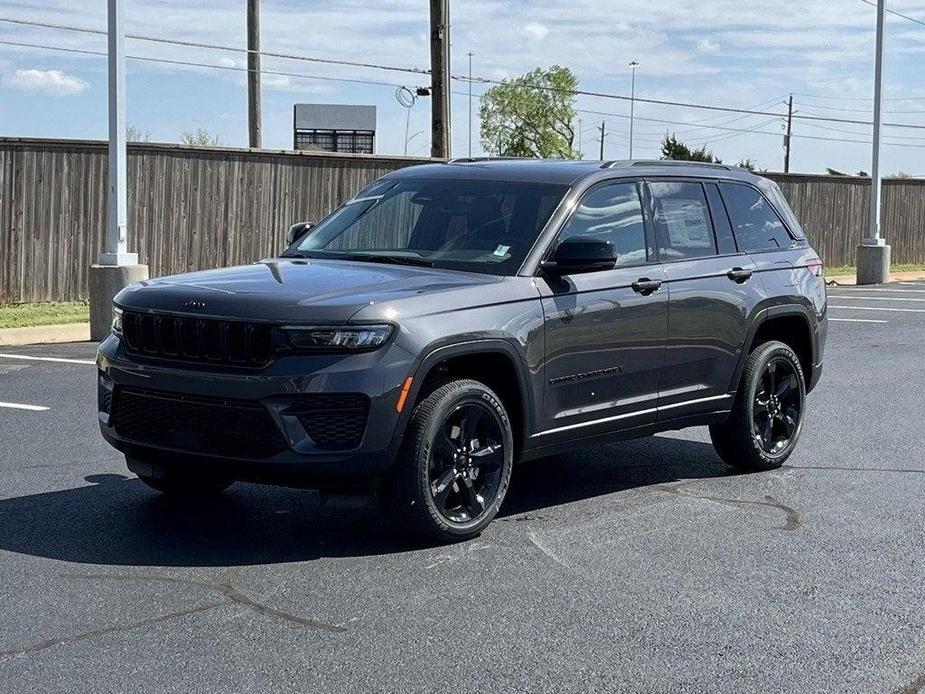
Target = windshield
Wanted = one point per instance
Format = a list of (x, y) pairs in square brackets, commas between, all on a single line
[(479, 226)]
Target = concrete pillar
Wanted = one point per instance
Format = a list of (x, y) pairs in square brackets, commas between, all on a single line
[(105, 282), (873, 262)]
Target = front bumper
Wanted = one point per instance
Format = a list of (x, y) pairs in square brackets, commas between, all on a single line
[(271, 394)]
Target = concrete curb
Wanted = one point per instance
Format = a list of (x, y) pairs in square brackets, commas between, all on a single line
[(45, 334), (894, 277)]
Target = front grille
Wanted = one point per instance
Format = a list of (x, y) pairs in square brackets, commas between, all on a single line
[(207, 426), (187, 338), (332, 421)]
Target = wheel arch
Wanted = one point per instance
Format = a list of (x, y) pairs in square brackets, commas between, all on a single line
[(790, 324), (459, 360)]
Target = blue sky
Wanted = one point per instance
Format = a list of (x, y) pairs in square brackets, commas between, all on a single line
[(739, 53)]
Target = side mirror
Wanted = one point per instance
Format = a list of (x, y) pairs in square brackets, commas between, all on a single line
[(577, 255), (297, 231)]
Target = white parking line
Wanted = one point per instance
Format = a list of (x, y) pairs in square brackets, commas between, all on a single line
[(857, 320), (57, 359), (874, 298), (20, 406), (879, 308), (876, 289)]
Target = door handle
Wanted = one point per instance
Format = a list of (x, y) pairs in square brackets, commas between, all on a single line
[(738, 274), (645, 286)]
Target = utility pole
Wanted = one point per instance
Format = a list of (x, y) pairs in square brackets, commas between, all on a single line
[(603, 124), (873, 255), (253, 73), (440, 78), (470, 103), (787, 136), (117, 267), (633, 65), (580, 139)]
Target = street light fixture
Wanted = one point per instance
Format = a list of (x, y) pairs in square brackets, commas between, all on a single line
[(633, 65)]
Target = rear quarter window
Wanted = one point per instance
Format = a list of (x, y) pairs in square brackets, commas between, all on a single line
[(755, 223)]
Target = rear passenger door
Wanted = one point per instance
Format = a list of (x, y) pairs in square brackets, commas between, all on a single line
[(712, 292), (778, 257)]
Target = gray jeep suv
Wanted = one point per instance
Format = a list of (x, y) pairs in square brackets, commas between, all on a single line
[(455, 318)]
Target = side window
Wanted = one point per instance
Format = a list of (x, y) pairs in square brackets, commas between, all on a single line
[(683, 228), (611, 212), (724, 239), (757, 226)]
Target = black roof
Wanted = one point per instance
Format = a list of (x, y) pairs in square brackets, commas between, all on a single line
[(567, 172)]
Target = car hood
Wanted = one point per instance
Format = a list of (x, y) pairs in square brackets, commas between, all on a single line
[(292, 289)]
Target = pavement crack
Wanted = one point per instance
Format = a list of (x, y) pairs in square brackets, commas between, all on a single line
[(222, 585), (791, 515), (94, 633)]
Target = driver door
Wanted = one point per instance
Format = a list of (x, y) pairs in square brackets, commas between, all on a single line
[(605, 333)]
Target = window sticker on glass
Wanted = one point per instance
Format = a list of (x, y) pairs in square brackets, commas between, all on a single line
[(501, 251)]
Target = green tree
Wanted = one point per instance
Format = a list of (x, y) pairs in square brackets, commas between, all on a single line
[(748, 164), (201, 137), (673, 148), (531, 115)]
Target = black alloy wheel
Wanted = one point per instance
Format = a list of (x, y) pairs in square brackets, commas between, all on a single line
[(777, 406), (466, 463)]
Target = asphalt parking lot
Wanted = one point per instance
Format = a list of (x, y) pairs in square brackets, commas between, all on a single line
[(638, 566)]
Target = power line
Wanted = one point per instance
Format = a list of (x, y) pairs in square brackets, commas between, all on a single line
[(217, 47), (756, 132), (846, 109), (464, 78), (894, 12), (188, 63), (858, 98), (686, 131)]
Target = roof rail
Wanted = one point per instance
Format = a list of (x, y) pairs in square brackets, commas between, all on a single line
[(663, 162), (472, 160)]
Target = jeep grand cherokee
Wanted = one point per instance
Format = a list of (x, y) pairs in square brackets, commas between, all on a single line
[(454, 318)]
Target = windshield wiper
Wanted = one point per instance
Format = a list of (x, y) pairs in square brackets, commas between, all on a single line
[(295, 254), (382, 258)]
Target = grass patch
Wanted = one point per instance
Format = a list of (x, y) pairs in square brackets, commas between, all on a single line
[(54, 313), (851, 270)]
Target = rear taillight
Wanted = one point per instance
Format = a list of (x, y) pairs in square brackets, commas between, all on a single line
[(815, 267)]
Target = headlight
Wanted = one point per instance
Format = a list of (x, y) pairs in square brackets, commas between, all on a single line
[(116, 320), (348, 338)]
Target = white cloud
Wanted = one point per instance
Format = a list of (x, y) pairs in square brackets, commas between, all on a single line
[(227, 62), (48, 82), (707, 46), (535, 31)]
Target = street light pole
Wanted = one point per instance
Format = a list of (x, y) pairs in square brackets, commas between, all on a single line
[(117, 267), (873, 255), (470, 103), (633, 65)]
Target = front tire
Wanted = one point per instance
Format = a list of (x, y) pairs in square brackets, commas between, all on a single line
[(454, 468), (767, 416)]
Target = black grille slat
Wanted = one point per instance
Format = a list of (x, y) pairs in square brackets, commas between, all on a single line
[(333, 421), (205, 340), (206, 426)]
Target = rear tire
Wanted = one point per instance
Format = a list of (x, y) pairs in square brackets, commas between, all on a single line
[(454, 468), (767, 415)]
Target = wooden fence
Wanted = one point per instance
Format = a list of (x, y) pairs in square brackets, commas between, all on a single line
[(194, 208)]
